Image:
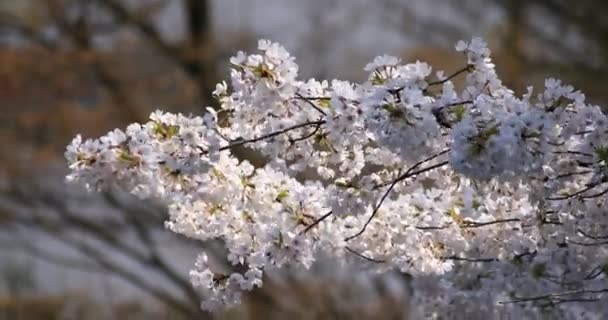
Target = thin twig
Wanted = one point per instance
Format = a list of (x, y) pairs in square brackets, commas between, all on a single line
[(594, 273), (587, 244), (552, 296), (416, 165), (577, 153), (316, 222), (360, 255), (308, 100), (457, 258), (568, 196), (407, 174), (585, 234), (376, 208), (475, 224), (414, 173), (432, 227), (570, 174), (595, 195), (304, 137), (467, 68), (272, 134)]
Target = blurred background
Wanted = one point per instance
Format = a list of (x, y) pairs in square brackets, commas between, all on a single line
[(88, 66)]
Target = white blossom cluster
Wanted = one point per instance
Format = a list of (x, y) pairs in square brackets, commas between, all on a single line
[(490, 201)]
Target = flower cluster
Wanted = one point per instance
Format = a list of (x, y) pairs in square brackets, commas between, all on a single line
[(476, 193)]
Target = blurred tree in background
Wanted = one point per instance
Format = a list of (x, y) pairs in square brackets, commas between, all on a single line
[(104, 62), (69, 66), (92, 65)]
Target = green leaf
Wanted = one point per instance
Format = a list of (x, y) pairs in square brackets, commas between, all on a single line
[(602, 153), (282, 195), (129, 158), (164, 130), (480, 141), (218, 174), (246, 182), (393, 110), (459, 112), (453, 213), (216, 208), (324, 103)]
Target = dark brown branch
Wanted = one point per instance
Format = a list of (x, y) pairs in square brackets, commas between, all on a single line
[(554, 296), (570, 174), (414, 173), (308, 100), (362, 256), (577, 153), (272, 134), (595, 195), (457, 103), (568, 196), (416, 165), (457, 258), (467, 68), (376, 208), (594, 237), (317, 98), (587, 244), (470, 224), (304, 137), (594, 273), (432, 227), (560, 300), (407, 174), (316, 222), (475, 224)]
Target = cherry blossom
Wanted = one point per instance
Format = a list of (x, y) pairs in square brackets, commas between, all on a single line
[(492, 202)]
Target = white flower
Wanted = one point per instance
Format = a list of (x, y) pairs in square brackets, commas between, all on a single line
[(382, 61), (239, 58), (71, 153), (264, 44), (220, 89), (461, 46)]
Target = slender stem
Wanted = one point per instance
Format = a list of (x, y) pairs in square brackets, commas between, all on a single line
[(308, 100), (585, 234), (316, 222), (588, 244), (407, 174), (304, 137), (570, 174), (568, 196), (475, 224), (416, 165), (272, 134), (360, 255), (411, 174), (467, 68), (552, 296), (595, 195), (376, 208), (457, 258)]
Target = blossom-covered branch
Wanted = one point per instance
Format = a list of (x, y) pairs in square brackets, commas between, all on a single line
[(483, 191)]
